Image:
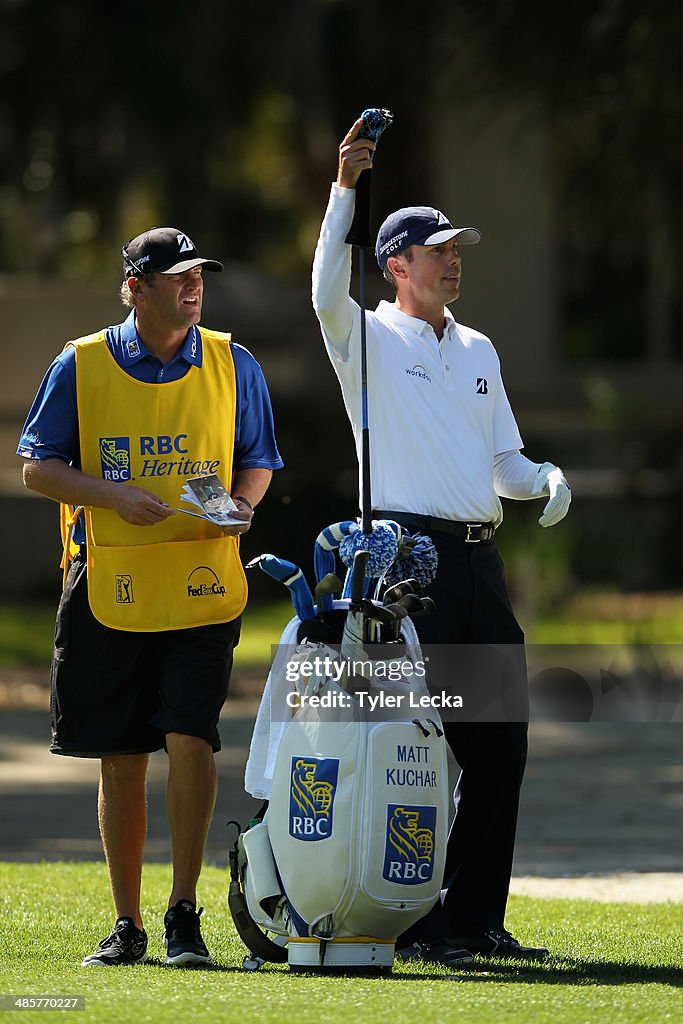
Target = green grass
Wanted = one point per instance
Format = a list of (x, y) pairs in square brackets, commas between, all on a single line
[(603, 617), (261, 628), (26, 631), (611, 963), (26, 634)]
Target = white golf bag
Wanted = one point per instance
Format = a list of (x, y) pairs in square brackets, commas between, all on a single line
[(351, 849)]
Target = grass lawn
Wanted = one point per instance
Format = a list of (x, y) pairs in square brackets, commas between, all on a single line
[(603, 617), (26, 631), (612, 963)]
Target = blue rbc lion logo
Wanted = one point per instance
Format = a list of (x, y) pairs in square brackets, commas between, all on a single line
[(311, 797), (115, 458), (409, 850)]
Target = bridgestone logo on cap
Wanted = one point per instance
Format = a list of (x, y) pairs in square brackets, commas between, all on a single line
[(393, 242)]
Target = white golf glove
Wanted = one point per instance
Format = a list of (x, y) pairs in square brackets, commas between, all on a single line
[(550, 480)]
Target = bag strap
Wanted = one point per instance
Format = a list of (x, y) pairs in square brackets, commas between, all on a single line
[(68, 517)]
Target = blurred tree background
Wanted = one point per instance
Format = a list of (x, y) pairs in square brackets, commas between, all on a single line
[(225, 121)]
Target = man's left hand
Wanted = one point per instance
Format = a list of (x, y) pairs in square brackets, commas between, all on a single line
[(243, 512), (551, 480)]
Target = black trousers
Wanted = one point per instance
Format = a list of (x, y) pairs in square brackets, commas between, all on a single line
[(120, 692), (473, 607)]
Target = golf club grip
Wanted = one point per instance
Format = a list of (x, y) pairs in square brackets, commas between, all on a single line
[(360, 562), (359, 232)]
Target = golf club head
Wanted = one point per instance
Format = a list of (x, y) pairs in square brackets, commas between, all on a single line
[(329, 584), (411, 603), (415, 605), (401, 589), (399, 613), (384, 614), (397, 610), (325, 589)]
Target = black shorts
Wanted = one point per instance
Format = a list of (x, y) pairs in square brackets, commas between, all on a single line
[(120, 692)]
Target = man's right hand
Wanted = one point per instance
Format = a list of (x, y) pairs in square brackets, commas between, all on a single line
[(138, 506), (355, 156), (57, 480)]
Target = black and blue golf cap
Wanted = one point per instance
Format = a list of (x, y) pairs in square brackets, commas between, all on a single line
[(418, 225), (163, 251)]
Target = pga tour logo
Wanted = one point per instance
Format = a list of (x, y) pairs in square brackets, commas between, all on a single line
[(313, 785), (410, 842), (124, 589)]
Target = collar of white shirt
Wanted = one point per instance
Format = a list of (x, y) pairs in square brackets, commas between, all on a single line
[(389, 312)]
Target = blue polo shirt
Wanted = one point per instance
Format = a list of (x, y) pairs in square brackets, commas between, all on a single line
[(51, 427)]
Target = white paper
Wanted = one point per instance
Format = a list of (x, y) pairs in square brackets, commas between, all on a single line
[(210, 499)]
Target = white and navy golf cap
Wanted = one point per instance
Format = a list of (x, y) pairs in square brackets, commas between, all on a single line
[(418, 225), (163, 251)]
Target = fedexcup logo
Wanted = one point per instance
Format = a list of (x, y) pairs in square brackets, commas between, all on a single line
[(419, 371), (203, 582), (313, 784), (409, 848), (115, 458)]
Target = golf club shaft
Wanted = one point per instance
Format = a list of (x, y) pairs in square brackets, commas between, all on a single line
[(366, 503)]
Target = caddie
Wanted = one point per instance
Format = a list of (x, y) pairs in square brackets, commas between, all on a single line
[(150, 611)]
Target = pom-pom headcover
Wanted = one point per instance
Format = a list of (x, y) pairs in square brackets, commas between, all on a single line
[(382, 544), (417, 558)]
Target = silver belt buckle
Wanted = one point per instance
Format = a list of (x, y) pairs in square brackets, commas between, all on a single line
[(469, 539)]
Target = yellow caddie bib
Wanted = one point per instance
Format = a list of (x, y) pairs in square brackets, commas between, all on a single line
[(184, 571)]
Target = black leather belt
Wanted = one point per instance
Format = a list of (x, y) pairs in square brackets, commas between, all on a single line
[(471, 533)]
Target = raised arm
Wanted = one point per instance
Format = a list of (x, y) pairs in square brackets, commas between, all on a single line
[(333, 305)]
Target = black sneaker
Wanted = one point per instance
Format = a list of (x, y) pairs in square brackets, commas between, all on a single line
[(182, 936), (500, 943), (127, 944), (445, 954)]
